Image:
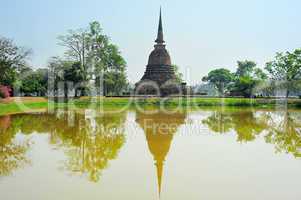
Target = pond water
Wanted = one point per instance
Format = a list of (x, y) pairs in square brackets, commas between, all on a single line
[(213, 154)]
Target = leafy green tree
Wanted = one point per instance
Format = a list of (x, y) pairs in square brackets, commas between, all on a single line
[(179, 75), (112, 83), (99, 59), (61, 73), (286, 69), (73, 73), (245, 68), (56, 68), (111, 70), (247, 77), (34, 82), (259, 74), (12, 60), (220, 78), (243, 86)]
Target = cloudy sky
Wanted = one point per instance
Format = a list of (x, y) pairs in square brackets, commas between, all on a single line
[(201, 34)]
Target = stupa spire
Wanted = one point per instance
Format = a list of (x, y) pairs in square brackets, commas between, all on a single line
[(159, 166), (160, 39)]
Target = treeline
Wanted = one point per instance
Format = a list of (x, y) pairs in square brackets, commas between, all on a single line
[(92, 65), (281, 77), (90, 60)]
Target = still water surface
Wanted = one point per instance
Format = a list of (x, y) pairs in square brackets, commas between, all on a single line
[(212, 154)]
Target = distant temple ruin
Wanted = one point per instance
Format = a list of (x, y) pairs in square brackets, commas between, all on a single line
[(159, 78)]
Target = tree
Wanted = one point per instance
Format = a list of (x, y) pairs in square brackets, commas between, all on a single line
[(245, 68), (65, 76), (247, 77), (34, 82), (56, 68), (286, 69), (42, 76), (259, 74), (220, 78), (179, 75), (110, 68), (73, 73), (243, 86), (98, 58), (12, 60)]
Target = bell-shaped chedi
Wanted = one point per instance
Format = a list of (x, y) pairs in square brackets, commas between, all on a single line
[(159, 78), (159, 130)]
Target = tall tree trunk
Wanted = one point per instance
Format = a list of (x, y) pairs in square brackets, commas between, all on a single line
[(287, 93), (66, 90), (75, 92)]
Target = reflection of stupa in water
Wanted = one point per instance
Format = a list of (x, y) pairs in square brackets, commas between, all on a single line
[(159, 130)]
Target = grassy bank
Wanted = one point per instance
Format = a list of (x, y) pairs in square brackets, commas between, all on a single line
[(15, 108), (24, 104), (190, 102), (36, 104)]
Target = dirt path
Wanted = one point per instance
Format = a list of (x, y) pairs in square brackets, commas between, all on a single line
[(24, 99)]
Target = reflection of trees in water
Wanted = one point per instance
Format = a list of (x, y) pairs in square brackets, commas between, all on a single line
[(89, 148), (159, 129), (12, 152), (285, 132), (283, 129), (92, 154), (245, 124)]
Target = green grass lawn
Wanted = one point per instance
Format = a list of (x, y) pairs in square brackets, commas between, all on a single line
[(15, 108), (117, 103)]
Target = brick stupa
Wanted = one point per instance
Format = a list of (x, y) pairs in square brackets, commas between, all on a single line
[(159, 78)]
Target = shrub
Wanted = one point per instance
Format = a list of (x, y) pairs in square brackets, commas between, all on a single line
[(4, 91)]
